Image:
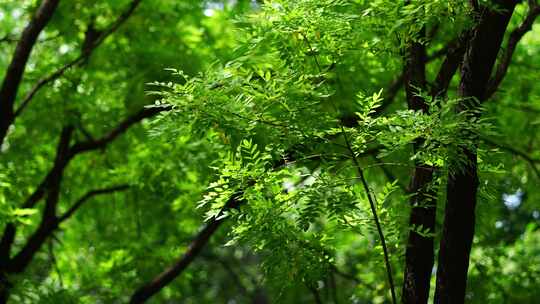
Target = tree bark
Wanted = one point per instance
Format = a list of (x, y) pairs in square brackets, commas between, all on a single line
[(459, 218), (419, 253)]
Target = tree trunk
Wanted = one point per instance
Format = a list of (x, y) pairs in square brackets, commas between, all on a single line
[(459, 217), (4, 287), (419, 256), (419, 253)]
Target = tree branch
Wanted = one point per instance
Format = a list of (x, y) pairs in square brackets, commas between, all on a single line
[(513, 40), (90, 145), (49, 222), (103, 141), (532, 161), (62, 159), (90, 194), (85, 54), (15, 71), (393, 88), (454, 56), (152, 287)]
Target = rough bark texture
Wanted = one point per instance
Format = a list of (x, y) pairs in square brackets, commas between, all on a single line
[(459, 218)]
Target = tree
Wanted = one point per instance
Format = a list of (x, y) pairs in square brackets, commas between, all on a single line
[(331, 147)]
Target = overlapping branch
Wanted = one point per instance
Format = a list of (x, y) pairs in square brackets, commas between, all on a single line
[(90, 194)]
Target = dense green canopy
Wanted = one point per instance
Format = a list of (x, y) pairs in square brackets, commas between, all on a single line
[(309, 151)]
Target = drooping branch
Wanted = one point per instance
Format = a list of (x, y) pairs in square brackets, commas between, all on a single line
[(85, 54), (513, 40), (152, 287), (15, 70), (365, 185), (160, 281)]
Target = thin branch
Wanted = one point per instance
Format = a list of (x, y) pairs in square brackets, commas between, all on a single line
[(90, 194), (54, 262), (513, 40), (391, 91), (8, 38), (390, 175), (532, 161), (333, 287), (230, 271), (350, 277), (474, 5), (454, 56), (90, 145), (85, 54), (366, 189), (50, 223), (103, 141)]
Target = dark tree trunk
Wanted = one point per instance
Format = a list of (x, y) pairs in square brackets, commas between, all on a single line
[(419, 256), (4, 287), (459, 217), (419, 253)]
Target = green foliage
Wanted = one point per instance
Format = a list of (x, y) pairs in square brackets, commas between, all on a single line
[(269, 104)]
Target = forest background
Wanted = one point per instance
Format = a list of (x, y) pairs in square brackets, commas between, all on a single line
[(330, 151)]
